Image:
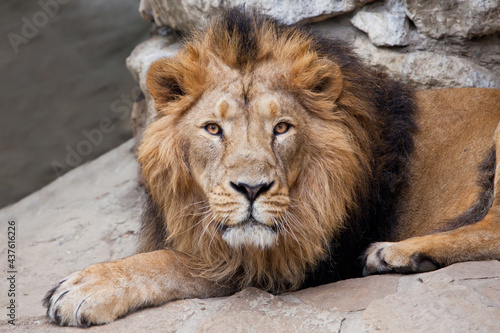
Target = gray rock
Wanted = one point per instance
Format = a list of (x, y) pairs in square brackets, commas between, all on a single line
[(349, 295), (187, 15), (253, 310), (91, 215), (484, 51), (445, 18), (384, 22), (138, 64), (437, 304), (427, 70)]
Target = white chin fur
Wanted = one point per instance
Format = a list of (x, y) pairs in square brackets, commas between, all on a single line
[(250, 235)]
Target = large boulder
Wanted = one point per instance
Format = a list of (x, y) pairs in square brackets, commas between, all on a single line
[(385, 23), (455, 18), (427, 69), (186, 15)]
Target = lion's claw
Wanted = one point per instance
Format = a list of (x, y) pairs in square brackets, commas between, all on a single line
[(86, 298)]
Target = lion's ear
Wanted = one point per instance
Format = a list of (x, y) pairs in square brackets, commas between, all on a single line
[(320, 79), (164, 81), (328, 79)]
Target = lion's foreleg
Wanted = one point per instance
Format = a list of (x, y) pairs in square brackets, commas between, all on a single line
[(104, 292)]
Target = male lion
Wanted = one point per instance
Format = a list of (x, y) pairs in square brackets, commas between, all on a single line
[(277, 159)]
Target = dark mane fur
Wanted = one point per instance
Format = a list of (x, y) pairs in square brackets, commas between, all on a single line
[(376, 220)]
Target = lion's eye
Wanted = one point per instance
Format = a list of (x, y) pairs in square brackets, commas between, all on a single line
[(213, 129), (281, 128)]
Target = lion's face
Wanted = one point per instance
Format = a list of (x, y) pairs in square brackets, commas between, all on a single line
[(259, 151), (246, 147)]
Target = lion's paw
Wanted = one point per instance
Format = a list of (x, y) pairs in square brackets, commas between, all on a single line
[(88, 297), (385, 257)]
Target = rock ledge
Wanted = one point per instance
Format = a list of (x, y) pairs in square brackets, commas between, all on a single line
[(91, 214)]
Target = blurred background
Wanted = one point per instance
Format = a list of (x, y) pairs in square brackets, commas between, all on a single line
[(62, 77)]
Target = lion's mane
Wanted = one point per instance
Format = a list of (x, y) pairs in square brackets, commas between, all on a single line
[(359, 148)]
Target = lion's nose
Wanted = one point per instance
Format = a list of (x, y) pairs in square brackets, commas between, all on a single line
[(251, 192)]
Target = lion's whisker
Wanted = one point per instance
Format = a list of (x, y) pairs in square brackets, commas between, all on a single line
[(291, 233), (197, 223)]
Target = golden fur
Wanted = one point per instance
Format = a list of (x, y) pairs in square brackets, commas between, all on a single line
[(335, 166), (277, 157)]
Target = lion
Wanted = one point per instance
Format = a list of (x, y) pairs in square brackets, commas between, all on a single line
[(279, 160)]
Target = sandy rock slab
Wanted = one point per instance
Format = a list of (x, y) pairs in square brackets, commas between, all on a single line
[(91, 214)]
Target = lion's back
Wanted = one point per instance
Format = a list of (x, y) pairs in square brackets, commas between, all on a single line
[(453, 154)]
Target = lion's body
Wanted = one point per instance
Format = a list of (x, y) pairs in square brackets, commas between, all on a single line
[(456, 133), (277, 159)]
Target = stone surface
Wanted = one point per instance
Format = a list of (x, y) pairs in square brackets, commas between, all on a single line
[(437, 304), (384, 22), (91, 215), (455, 18), (186, 15), (349, 295), (427, 70), (253, 310), (138, 64)]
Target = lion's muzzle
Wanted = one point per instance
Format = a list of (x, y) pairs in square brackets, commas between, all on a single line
[(251, 192), (250, 222)]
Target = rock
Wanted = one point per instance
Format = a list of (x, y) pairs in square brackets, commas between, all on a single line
[(437, 304), (384, 22), (91, 214), (349, 295), (253, 310), (446, 18), (483, 51), (138, 64), (187, 15), (427, 70)]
